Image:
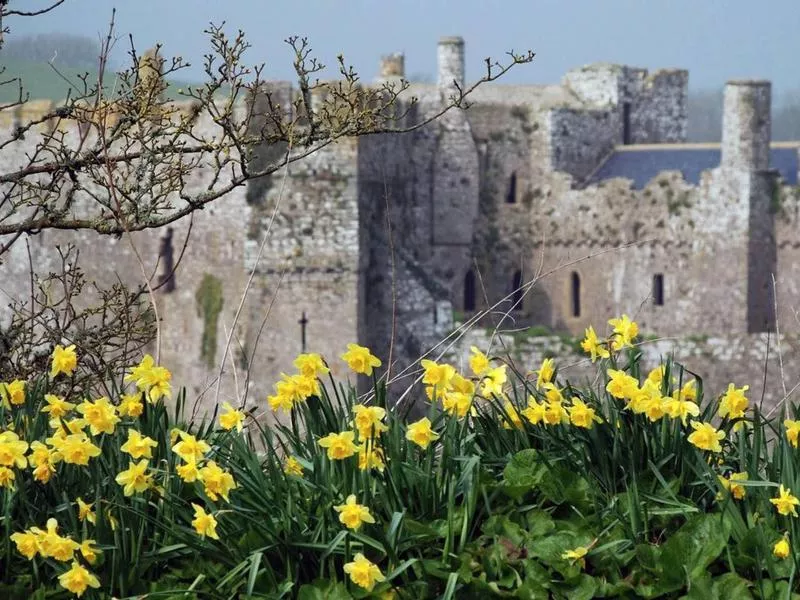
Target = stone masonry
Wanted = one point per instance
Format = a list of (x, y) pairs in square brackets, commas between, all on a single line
[(512, 206)]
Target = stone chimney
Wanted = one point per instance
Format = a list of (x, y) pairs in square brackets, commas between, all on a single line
[(451, 63), (746, 125)]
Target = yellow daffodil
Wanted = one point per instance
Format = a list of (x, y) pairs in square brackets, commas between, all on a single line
[(339, 445), (190, 448), (311, 365), (706, 437), (100, 414), (620, 384), (733, 402), (231, 417), (292, 466), (534, 412), (76, 448), (135, 478), (545, 372), (736, 490), (77, 579), (420, 433), (581, 415), (781, 549), (370, 457), (12, 450), (13, 393), (204, 524), (56, 406), (363, 573), (478, 362), (27, 543), (360, 359), (88, 551), (188, 471), (625, 331), (138, 445), (131, 405), (7, 478), (493, 382), (85, 512), (216, 481), (785, 503), (576, 556), (792, 431), (592, 346), (367, 420), (353, 515), (64, 360)]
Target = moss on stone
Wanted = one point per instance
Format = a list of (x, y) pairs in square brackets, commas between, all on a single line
[(209, 300)]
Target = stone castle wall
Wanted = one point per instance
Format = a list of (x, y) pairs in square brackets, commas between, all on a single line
[(374, 239)]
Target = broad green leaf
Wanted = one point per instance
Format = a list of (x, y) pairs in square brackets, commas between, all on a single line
[(524, 469), (732, 587), (689, 551), (323, 590)]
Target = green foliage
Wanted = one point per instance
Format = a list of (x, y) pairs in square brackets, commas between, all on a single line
[(489, 510)]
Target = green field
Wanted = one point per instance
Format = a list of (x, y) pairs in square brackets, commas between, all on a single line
[(40, 81)]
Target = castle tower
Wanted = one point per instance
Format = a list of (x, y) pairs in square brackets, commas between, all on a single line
[(746, 125), (451, 63), (392, 67), (745, 164)]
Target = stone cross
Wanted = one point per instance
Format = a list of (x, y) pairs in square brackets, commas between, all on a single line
[(303, 322)]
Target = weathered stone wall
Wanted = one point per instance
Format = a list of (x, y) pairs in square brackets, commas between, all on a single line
[(310, 263), (746, 125), (597, 84), (580, 139), (660, 107), (503, 240), (214, 249)]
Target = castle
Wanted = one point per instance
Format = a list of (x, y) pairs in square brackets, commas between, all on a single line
[(561, 205)]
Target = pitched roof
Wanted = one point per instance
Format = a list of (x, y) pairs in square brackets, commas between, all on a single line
[(641, 163)]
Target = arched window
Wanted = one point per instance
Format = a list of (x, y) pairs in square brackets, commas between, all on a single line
[(511, 195), (469, 291), (575, 294), (658, 289), (516, 290)]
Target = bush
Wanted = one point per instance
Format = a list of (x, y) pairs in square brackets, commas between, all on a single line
[(510, 487)]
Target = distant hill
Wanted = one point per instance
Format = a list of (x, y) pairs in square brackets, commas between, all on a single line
[(40, 81)]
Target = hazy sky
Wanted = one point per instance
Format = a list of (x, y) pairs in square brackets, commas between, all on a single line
[(715, 39)]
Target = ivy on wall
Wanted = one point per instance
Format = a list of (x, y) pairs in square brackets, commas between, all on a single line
[(209, 304)]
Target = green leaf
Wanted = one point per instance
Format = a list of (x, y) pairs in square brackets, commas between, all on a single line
[(689, 551), (732, 587), (701, 589), (539, 523), (584, 590), (524, 470), (323, 590)]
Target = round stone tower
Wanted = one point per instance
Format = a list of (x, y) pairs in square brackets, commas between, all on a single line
[(746, 125), (451, 62)]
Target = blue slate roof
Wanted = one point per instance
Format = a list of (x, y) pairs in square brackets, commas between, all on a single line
[(642, 165)]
